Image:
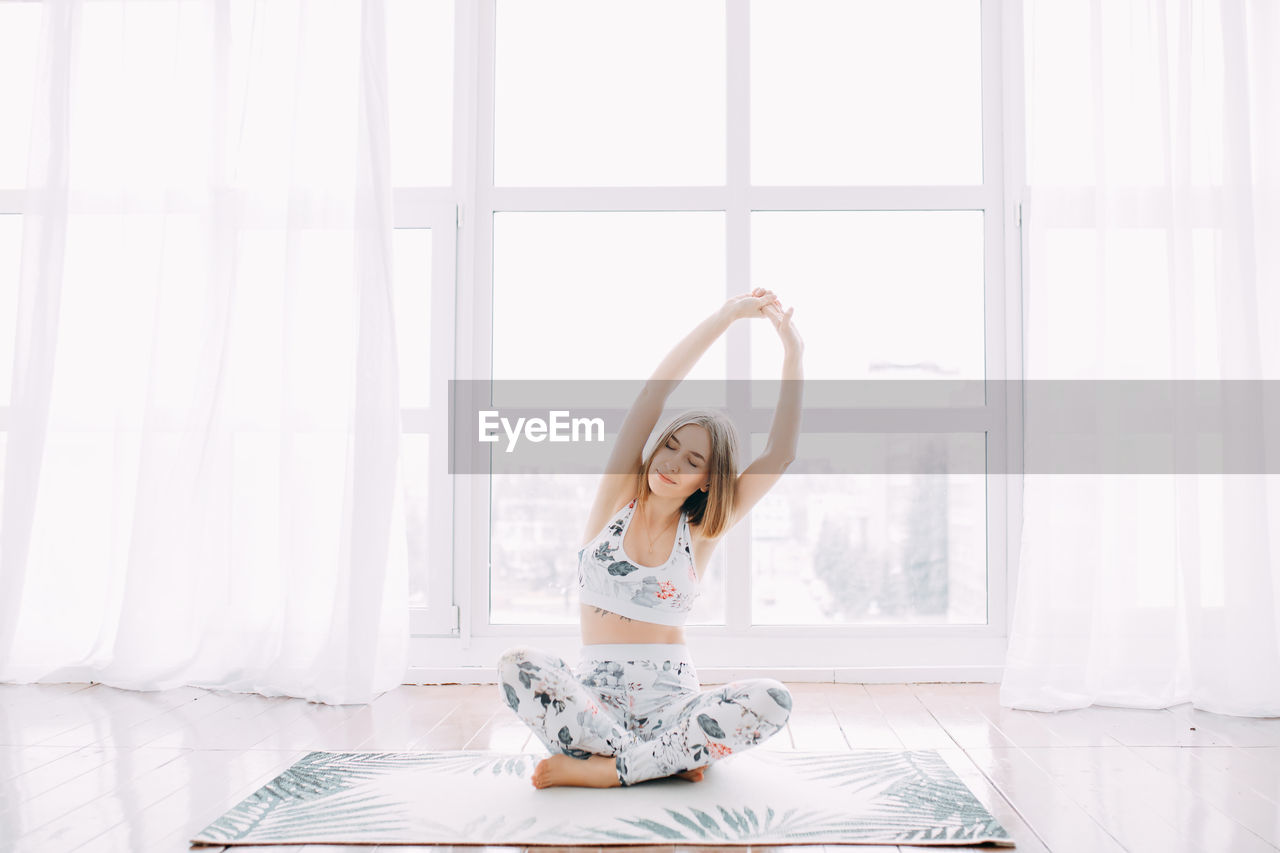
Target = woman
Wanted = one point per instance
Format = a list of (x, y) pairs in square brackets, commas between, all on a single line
[(633, 708)]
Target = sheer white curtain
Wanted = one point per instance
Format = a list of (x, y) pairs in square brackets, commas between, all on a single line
[(1154, 171), (201, 479)]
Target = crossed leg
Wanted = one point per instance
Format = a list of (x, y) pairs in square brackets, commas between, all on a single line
[(566, 715), (690, 730), (705, 727)]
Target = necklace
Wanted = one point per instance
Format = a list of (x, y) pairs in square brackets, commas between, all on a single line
[(664, 530)]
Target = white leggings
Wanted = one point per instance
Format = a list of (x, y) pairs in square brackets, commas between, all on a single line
[(641, 703)]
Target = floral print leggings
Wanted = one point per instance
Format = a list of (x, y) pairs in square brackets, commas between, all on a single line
[(641, 703)]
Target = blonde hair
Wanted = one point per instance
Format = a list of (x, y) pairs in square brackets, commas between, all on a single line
[(710, 509)]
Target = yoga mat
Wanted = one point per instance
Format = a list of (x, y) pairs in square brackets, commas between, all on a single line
[(765, 796)]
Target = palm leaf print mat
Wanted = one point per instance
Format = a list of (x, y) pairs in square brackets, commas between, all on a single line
[(861, 796)]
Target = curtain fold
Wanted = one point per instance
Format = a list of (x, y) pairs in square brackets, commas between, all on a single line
[(1153, 142), (201, 482)]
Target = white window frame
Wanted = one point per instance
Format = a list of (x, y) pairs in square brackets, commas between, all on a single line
[(468, 652), (425, 211)]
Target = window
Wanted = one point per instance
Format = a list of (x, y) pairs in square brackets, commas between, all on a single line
[(700, 149), (548, 156)]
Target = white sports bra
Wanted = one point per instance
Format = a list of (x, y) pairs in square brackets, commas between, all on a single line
[(607, 578)]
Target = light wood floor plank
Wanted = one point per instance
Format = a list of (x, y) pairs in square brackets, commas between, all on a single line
[(307, 723), (475, 705), (50, 774), (113, 795), (504, 732), (1205, 821), (398, 716), (902, 709), (812, 723), (1254, 769), (1122, 732), (372, 728), (860, 718), (1058, 819), (1198, 780), (76, 799), (1102, 781), (216, 781), (481, 722), (18, 760), (1128, 726), (120, 717), (36, 722), (186, 727), (964, 724), (236, 727), (1235, 731), (1024, 728), (432, 706), (163, 730)]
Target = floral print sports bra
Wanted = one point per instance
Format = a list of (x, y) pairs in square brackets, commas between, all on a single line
[(607, 578)]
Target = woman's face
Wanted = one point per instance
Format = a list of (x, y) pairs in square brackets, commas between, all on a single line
[(680, 466)]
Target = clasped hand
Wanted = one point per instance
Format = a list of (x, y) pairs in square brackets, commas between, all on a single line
[(762, 302)]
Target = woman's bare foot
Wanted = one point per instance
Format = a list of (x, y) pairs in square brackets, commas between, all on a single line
[(694, 775), (598, 771)]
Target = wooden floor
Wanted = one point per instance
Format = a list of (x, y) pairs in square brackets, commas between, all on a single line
[(96, 768)]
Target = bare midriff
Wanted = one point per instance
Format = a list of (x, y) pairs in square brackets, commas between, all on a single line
[(603, 626)]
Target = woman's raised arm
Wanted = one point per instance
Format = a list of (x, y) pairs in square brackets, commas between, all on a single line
[(784, 433), (627, 454), (644, 412), (677, 363)]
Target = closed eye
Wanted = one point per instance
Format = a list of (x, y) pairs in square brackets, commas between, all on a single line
[(691, 462)]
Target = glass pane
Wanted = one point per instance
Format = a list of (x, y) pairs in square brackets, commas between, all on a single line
[(866, 93), (856, 549), (605, 295), (538, 527), (709, 609), (411, 248), (10, 270), (20, 42), (420, 91), (415, 479), (869, 304), (609, 94)]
